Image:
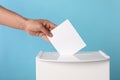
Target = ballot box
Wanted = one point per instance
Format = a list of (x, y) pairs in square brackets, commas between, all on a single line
[(93, 65)]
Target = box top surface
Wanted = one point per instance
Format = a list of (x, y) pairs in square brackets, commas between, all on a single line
[(78, 57)]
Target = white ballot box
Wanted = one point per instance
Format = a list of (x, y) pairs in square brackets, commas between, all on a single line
[(82, 66)]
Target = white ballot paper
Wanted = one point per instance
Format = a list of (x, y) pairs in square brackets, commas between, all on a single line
[(66, 40)]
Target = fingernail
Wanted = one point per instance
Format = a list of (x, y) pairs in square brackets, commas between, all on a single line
[(50, 34)]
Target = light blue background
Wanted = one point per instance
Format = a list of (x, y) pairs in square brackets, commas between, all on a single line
[(97, 21)]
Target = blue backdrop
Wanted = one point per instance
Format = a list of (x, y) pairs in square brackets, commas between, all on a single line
[(97, 21)]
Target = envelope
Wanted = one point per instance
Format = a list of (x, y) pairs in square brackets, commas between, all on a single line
[(66, 39)]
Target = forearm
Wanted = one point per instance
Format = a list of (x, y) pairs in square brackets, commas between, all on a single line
[(11, 19)]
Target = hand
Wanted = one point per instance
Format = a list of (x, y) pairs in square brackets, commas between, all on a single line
[(39, 28)]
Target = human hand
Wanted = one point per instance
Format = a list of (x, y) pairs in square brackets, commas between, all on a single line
[(39, 28)]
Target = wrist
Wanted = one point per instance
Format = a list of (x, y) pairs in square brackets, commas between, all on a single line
[(24, 25)]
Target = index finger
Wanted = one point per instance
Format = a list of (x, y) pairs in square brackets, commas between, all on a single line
[(52, 26), (49, 24)]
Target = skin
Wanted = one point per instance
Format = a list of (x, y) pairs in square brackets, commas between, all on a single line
[(33, 27)]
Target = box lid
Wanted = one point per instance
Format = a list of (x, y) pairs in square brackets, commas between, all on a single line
[(78, 57)]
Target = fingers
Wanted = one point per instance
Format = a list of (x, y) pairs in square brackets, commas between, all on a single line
[(46, 31), (33, 33), (45, 38), (46, 26), (49, 25), (40, 28), (39, 34)]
